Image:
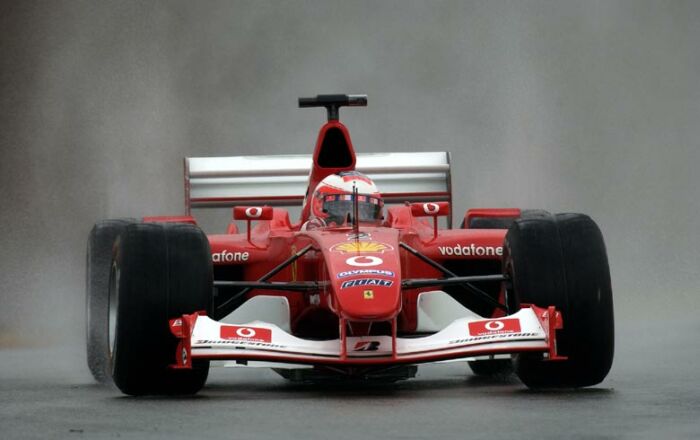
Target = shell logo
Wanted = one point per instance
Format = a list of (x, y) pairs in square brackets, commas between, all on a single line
[(361, 246)]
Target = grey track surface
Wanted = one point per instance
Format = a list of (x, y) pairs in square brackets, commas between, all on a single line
[(652, 392)]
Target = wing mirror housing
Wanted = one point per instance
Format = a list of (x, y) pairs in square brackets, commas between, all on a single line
[(431, 209), (250, 213)]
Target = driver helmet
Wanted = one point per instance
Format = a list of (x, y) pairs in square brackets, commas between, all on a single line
[(332, 199)]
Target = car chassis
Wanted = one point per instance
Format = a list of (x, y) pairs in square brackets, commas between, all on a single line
[(350, 301)]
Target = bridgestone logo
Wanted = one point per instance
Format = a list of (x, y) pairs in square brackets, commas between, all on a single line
[(235, 342), (492, 337), (471, 250)]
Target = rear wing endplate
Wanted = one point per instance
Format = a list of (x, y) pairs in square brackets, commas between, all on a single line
[(281, 180)]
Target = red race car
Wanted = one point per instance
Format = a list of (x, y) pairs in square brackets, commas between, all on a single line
[(370, 282)]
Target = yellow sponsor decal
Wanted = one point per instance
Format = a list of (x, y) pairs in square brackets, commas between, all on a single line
[(361, 246), (368, 294)]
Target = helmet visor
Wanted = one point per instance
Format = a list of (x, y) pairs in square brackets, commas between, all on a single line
[(337, 207)]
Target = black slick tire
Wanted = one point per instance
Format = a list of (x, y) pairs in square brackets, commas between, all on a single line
[(561, 261), (99, 259), (159, 272)]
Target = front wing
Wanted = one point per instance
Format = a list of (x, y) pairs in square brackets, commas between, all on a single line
[(532, 329)]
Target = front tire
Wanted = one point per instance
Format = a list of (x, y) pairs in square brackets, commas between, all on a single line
[(159, 272), (561, 261)]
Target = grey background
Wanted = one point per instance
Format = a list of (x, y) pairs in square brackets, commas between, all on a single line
[(589, 106)]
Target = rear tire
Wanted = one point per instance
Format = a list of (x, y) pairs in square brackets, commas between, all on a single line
[(561, 261), (502, 222), (99, 259), (159, 272)]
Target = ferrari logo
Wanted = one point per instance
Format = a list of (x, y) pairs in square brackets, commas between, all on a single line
[(368, 294), (361, 246)]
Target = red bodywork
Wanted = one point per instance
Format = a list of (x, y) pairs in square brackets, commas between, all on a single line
[(270, 242), (359, 275), (336, 252)]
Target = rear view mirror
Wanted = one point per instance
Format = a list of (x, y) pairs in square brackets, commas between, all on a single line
[(430, 209), (252, 213)]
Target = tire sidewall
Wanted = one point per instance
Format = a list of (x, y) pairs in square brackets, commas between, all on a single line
[(98, 263)]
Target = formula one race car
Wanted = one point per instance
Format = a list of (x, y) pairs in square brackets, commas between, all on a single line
[(355, 290)]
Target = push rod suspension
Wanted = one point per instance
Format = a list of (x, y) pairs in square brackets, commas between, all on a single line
[(264, 278), (466, 284), (422, 282), (267, 285)]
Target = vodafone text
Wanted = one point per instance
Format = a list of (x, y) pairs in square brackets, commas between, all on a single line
[(471, 250), (229, 257)]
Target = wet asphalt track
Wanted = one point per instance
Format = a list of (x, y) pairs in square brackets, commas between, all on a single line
[(652, 393)]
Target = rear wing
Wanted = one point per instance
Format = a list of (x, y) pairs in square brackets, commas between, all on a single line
[(281, 180)]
